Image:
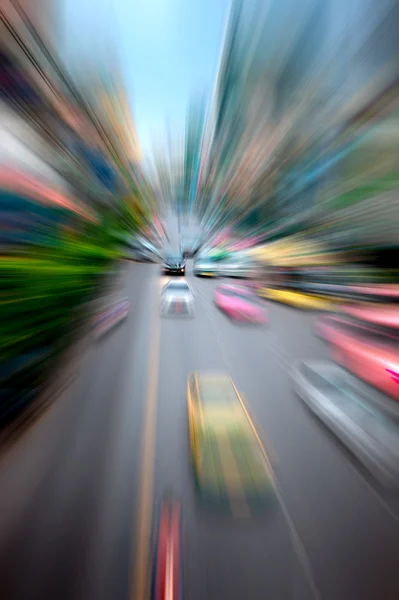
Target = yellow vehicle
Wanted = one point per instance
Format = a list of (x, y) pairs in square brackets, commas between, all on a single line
[(298, 299), (231, 466)]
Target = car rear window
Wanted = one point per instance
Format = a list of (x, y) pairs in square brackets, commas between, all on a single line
[(322, 382), (177, 287), (366, 332), (238, 294), (229, 293), (216, 391)]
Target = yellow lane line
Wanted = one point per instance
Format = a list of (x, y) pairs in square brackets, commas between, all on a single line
[(140, 589)]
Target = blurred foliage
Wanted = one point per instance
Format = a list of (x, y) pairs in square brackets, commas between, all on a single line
[(45, 289)]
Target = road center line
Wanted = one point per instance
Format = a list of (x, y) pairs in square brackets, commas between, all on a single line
[(140, 588)]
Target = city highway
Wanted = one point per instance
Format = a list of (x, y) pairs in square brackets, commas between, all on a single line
[(82, 486)]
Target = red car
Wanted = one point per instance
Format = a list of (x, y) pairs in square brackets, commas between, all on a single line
[(365, 351), (167, 580), (384, 316), (239, 304), (377, 291)]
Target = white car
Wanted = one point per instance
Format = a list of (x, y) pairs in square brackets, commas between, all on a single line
[(177, 299)]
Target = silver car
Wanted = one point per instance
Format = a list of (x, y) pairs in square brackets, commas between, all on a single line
[(204, 268), (177, 300), (347, 406)]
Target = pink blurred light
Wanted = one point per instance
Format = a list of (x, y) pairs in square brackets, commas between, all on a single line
[(14, 180)]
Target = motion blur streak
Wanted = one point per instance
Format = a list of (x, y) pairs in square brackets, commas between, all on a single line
[(263, 147), (395, 376), (142, 566)]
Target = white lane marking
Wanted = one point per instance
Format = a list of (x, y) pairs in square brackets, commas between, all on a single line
[(281, 359), (394, 515), (298, 544)]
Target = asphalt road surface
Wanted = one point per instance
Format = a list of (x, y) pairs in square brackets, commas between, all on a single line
[(82, 487)]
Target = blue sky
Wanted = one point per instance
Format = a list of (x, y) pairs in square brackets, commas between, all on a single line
[(169, 50)]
